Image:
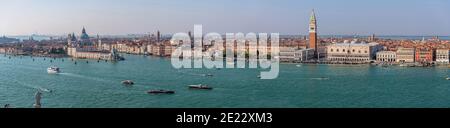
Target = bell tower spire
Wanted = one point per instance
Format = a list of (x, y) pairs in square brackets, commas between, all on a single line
[(313, 32), (312, 22)]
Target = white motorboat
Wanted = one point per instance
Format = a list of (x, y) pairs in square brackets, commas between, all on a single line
[(321, 78), (208, 75), (200, 86), (53, 70)]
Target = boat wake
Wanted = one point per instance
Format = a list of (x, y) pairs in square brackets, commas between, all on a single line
[(34, 87), (44, 90), (196, 74), (320, 78), (85, 77)]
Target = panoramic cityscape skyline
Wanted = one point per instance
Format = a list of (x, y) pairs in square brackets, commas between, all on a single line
[(247, 62), (112, 17)]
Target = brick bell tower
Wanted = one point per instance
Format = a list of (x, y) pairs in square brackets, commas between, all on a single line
[(313, 32)]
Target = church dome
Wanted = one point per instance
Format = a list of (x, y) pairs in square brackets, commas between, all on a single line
[(84, 35)]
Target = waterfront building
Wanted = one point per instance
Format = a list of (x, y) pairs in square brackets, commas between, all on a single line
[(141, 50), (313, 32), (166, 50), (155, 49), (162, 49), (123, 48), (287, 54), (292, 54), (9, 50), (386, 56), (405, 55), (136, 49), (321, 52), (131, 48), (304, 54), (150, 49), (251, 50), (352, 52), (103, 46), (193, 54), (83, 48), (442, 56), (424, 55)]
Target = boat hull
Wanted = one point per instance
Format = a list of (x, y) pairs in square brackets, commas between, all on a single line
[(52, 72), (200, 87), (160, 92), (127, 82)]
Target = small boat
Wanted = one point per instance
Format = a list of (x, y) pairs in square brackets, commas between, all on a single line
[(200, 86), (448, 78), (45, 90), (53, 70), (127, 82), (160, 92), (321, 78), (259, 76), (208, 75)]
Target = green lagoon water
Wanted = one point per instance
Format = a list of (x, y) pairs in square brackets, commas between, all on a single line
[(98, 85)]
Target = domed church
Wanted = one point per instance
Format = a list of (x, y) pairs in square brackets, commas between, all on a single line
[(84, 38), (84, 48)]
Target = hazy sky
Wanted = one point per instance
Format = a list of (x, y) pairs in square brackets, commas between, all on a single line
[(335, 17)]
